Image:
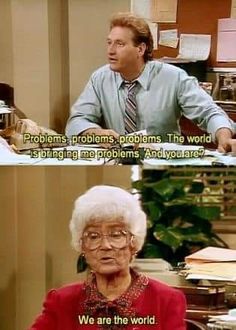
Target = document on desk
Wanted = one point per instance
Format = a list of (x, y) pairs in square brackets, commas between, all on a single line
[(213, 271), (8, 157), (224, 318), (4, 110), (212, 263), (194, 47), (172, 154), (210, 254)]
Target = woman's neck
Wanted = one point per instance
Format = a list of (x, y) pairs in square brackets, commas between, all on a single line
[(112, 286)]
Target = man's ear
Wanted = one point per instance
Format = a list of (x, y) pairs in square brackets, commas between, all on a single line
[(141, 48)]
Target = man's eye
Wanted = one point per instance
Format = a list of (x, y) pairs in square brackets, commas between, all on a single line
[(121, 44)]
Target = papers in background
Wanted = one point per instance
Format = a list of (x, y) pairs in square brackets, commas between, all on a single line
[(164, 11), (155, 10), (176, 162), (210, 254), (220, 158), (226, 318), (172, 154), (176, 147), (226, 321), (78, 160), (212, 263), (8, 157), (194, 46), (4, 110), (213, 271), (226, 40), (233, 9), (154, 31), (169, 38), (210, 157), (142, 8)]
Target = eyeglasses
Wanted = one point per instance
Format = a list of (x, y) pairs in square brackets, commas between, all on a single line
[(116, 238)]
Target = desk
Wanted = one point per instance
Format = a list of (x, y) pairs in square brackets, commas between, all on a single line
[(189, 128), (204, 315), (10, 158), (72, 156), (7, 116)]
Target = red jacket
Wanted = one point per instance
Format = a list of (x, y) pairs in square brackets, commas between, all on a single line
[(158, 302)]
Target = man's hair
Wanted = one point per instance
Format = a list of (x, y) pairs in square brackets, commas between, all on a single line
[(139, 28)]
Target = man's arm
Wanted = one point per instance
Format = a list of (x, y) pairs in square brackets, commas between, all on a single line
[(86, 111), (224, 140), (103, 132), (86, 116), (199, 107)]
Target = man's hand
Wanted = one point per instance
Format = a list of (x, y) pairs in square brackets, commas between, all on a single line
[(107, 136), (225, 141)]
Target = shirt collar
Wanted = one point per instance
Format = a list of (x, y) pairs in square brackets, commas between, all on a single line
[(143, 79)]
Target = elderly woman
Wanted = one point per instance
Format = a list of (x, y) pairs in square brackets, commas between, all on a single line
[(108, 228)]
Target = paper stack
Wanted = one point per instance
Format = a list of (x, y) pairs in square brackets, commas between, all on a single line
[(212, 263)]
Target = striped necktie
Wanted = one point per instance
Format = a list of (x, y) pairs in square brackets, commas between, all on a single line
[(130, 118)]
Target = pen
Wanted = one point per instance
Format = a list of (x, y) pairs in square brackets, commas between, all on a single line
[(216, 163)]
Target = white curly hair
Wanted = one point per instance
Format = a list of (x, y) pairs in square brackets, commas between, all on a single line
[(107, 203)]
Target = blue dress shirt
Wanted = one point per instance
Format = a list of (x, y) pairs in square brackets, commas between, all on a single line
[(166, 92)]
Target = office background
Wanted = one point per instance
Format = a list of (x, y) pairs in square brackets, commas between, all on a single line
[(49, 48), (35, 253)]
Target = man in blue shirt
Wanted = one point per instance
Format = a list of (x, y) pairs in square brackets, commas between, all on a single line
[(164, 92)]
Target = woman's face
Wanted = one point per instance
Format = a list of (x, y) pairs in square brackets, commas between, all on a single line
[(108, 246)]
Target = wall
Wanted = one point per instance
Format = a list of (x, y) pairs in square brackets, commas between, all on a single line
[(88, 29), (6, 54), (198, 16), (35, 252), (41, 85), (50, 57), (49, 49)]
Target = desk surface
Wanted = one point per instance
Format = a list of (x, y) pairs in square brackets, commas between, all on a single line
[(203, 314), (79, 155)]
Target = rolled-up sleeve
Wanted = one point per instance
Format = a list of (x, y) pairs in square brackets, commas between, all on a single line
[(86, 111), (199, 107)]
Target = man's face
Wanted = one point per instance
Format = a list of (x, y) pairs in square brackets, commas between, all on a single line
[(123, 55)]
